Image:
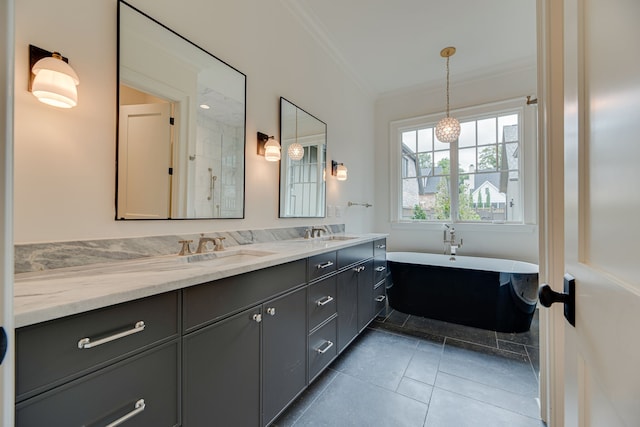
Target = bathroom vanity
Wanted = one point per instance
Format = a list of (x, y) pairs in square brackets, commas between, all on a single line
[(191, 341)]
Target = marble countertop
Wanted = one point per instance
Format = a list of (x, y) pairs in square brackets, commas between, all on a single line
[(51, 294)]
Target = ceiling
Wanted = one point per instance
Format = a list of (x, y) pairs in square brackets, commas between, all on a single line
[(390, 46)]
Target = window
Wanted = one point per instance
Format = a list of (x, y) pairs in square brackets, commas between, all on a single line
[(485, 187)]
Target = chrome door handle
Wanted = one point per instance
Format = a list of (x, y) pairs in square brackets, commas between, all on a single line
[(327, 345), (381, 246), (271, 311), (257, 318), (87, 343), (324, 265), (138, 407), (324, 300), (381, 268), (359, 268), (381, 298)]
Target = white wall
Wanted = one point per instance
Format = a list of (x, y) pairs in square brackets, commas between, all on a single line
[(500, 241), (65, 159)]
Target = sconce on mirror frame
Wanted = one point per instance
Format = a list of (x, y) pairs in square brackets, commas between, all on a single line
[(51, 78), (268, 147), (339, 170)]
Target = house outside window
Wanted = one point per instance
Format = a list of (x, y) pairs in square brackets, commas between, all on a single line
[(487, 184)]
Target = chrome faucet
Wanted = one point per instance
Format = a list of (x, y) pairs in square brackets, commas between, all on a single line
[(202, 243), (451, 241), (307, 233), (316, 232)]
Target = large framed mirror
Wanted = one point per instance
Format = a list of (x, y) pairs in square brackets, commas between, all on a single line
[(303, 139), (181, 126)]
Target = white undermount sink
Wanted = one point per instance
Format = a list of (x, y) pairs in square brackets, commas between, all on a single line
[(337, 237), (232, 256)]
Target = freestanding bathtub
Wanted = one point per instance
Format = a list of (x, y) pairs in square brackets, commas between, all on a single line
[(487, 293)]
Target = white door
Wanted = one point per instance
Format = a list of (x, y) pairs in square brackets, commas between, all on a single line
[(144, 159), (601, 212), (6, 207)]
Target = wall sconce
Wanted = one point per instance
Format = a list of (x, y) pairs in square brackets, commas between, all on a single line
[(268, 147), (339, 170), (51, 78)]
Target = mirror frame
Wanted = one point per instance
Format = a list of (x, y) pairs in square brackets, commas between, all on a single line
[(173, 187), (283, 165)]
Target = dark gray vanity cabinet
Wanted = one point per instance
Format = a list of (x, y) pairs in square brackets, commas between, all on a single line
[(234, 352), (99, 367), (322, 312), (222, 364), (347, 307), (221, 372), (234, 360), (142, 389), (366, 285), (381, 276), (284, 351)]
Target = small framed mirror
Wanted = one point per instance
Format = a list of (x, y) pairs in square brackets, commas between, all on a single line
[(303, 139), (181, 126)]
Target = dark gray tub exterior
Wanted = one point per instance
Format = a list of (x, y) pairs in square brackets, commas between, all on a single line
[(495, 294)]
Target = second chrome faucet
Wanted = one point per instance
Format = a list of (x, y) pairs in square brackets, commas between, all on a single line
[(313, 232)]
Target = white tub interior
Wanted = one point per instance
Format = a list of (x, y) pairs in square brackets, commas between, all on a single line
[(466, 262)]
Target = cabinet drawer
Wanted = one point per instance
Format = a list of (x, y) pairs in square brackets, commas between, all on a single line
[(49, 354), (379, 298), (204, 304), (379, 269), (322, 301), (322, 348), (111, 393), (321, 265), (354, 254), (380, 248)]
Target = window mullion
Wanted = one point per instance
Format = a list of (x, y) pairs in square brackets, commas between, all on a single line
[(453, 182)]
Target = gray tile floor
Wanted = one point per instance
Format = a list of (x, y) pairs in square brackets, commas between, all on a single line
[(411, 371)]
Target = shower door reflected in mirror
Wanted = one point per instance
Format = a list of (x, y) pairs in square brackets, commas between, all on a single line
[(181, 136), (302, 181)]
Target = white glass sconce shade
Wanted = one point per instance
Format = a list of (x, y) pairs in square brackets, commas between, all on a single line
[(272, 150), (55, 82)]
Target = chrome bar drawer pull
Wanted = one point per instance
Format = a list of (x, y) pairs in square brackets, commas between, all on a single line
[(87, 343), (139, 407), (359, 269), (381, 246), (257, 318), (327, 345), (381, 298), (324, 265), (271, 311), (381, 268), (324, 300)]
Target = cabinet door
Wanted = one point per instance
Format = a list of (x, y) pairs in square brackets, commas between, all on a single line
[(365, 295), (221, 372), (284, 340), (347, 307)]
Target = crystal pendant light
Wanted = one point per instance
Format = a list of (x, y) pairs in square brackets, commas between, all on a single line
[(295, 150), (448, 129)]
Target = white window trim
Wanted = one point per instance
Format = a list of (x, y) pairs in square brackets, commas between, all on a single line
[(528, 165)]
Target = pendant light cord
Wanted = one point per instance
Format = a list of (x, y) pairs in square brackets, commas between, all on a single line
[(447, 86)]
